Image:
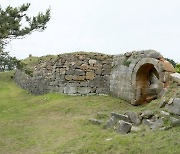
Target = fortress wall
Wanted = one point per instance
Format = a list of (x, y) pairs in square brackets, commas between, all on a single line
[(137, 77), (75, 74)]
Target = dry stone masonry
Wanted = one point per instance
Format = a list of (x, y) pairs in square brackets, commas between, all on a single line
[(74, 74), (137, 77)]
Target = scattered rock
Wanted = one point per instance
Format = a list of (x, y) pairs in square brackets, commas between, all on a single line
[(135, 129), (165, 113), (157, 124), (134, 117), (176, 77), (120, 116), (147, 114), (147, 122), (174, 122), (123, 127), (174, 108), (96, 122), (111, 122)]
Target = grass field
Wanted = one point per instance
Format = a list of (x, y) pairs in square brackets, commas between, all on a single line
[(55, 123)]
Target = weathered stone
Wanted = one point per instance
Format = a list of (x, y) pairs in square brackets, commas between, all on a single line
[(96, 122), (175, 77), (123, 127), (102, 90), (111, 122), (92, 62), (147, 122), (90, 75), (79, 72), (78, 78), (84, 90), (134, 117), (120, 117), (70, 72), (68, 77), (174, 121), (157, 124), (174, 108), (147, 114), (135, 129), (70, 90), (155, 55), (165, 113), (84, 67)]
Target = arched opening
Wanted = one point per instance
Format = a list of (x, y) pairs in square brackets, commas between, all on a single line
[(147, 79)]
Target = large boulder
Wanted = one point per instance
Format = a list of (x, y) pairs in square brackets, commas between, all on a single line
[(174, 107), (147, 114), (123, 127), (134, 117), (120, 116), (176, 77), (111, 122), (157, 124)]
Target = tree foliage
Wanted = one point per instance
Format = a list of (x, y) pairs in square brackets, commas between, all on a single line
[(177, 68), (171, 61), (7, 62), (16, 24)]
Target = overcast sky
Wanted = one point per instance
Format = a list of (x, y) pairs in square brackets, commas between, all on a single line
[(106, 26)]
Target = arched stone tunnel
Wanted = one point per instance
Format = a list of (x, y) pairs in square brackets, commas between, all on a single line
[(143, 79), (147, 79)]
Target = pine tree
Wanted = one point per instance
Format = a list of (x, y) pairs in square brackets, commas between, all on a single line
[(12, 20)]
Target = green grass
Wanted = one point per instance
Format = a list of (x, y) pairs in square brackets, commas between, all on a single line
[(55, 123)]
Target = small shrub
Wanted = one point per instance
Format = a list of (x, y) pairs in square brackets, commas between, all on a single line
[(127, 63)]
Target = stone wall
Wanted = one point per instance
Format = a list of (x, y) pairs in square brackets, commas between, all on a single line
[(75, 74), (137, 77)]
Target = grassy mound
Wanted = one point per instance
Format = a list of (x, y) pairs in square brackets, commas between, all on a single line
[(55, 123)]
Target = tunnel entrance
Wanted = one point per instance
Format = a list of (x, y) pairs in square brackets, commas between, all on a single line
[(147, 79)]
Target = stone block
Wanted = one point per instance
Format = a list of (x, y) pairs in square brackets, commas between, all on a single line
[(120, 116), (176, 77), (111, 122), (84, 66), (62, 70), (90, 75), (92, 62), (134, 117), (78, 78), (79, 72), (70, 90), (147, 114), (174, 108), (123, 127), (70, 72), (68, 77), (84, 90)]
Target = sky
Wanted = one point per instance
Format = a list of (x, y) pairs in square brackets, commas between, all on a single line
[(106, 26)]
